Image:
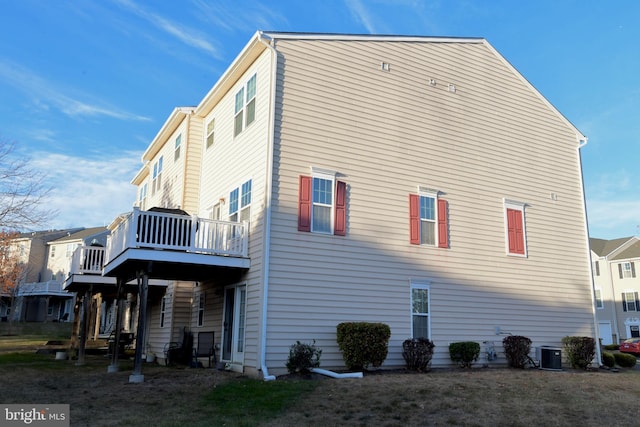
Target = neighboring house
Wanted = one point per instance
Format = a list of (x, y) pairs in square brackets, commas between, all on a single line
[(617, 286), (30, 303), (420, 182)]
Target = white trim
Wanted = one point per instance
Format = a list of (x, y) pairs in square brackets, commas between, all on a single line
[(323, 173), (369, 37), (519, 206)]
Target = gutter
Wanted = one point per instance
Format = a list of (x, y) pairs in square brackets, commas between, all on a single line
[(266, 40)]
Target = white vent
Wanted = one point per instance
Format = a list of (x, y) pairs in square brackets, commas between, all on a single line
[(385, 66)]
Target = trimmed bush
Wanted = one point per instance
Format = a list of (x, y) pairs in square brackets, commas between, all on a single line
[(608, 359), (303, 357), (611, 347), (625, 360), (516, 350), (417, 353), (464, 353), (580, 350), (363, 344)]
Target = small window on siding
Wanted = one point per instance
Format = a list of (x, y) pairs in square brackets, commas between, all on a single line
[(245, 106), (157, 176), (142, 199), (210, 133), (163, 310), (630, 301), (420, 311), (598, 295), (176, 151), (201, 305), (596, 268)]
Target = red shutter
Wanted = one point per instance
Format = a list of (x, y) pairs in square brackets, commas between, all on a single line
[(304, 204), (443, 224), (340, 223), (515, 231), (414, 219)]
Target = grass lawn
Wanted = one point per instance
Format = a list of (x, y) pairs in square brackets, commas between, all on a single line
[(207, 397)]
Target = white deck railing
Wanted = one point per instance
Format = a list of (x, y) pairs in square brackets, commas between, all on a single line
[(52, 287), (159, 230), (87, 260)]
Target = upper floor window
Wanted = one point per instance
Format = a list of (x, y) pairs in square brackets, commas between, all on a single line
[(596, 268), (142, 197), (157, 176), (210, 132), (598, 295), (627, 270), (245, 106), (630, 301), (322, 204), (428, 219), (515, 228), (240, 203), (53, 252), (176, 150)]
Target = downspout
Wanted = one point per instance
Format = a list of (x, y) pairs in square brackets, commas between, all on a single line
[(266, 249), (581, 144)]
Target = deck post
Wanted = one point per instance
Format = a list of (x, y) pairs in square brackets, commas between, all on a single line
[(113, 367), (143, 287), (84, 325)]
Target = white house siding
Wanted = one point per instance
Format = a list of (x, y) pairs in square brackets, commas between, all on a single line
[(609, 299), (385, 133), (192, 158), (226, 165)]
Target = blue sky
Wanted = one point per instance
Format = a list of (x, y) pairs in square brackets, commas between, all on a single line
[(86, 85)]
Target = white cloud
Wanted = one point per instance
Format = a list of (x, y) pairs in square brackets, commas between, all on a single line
[(44, 94), (88, 192), (188, 36), (610, 219), (362, 15)]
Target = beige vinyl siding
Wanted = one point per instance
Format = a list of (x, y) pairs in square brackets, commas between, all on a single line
[(226, 165), (192, 152), (177, 315), (385, 133)]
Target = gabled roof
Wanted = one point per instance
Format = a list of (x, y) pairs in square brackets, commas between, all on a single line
[(80, 235), (605, 248), (629, 252), (46, 234)]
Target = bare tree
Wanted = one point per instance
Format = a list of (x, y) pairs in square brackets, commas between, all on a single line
[(12, 269), (22, 192)]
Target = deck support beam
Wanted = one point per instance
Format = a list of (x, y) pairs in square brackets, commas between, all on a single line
[(143, 288)]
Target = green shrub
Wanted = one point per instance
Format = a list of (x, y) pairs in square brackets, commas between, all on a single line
[(580, 350), (625, 360), (363, 344), (464, 353), (303, 357), (608, 359), (516, 350), (417, 353), (611, 347)]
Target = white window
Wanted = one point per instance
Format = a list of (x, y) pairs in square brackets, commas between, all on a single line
[(428, 212), (142, 197), (630, 301), (163, 309), (240, 203), (322, 207), (210, 133), (176, 150), (215, 212), (596, 268), (627, 270), (420, 317), (157, 176), (53, 251), (599, 302), (245, 106), (201, 305)]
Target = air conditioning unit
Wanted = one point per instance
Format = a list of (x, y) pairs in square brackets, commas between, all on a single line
[(550, 357)]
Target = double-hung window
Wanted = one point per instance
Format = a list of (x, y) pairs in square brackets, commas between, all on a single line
[(142, 198), (210, 132), (516, 238), (245, 106), (240, 203), (627, 270), (598, 295), (428, 219), (163, 310), (420, 313), (157, 176), (630, 301), (176, 150), (201, 306), (322, 203)]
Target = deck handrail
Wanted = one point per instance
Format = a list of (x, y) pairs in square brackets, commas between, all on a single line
[(169, 231), (87, 260)]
